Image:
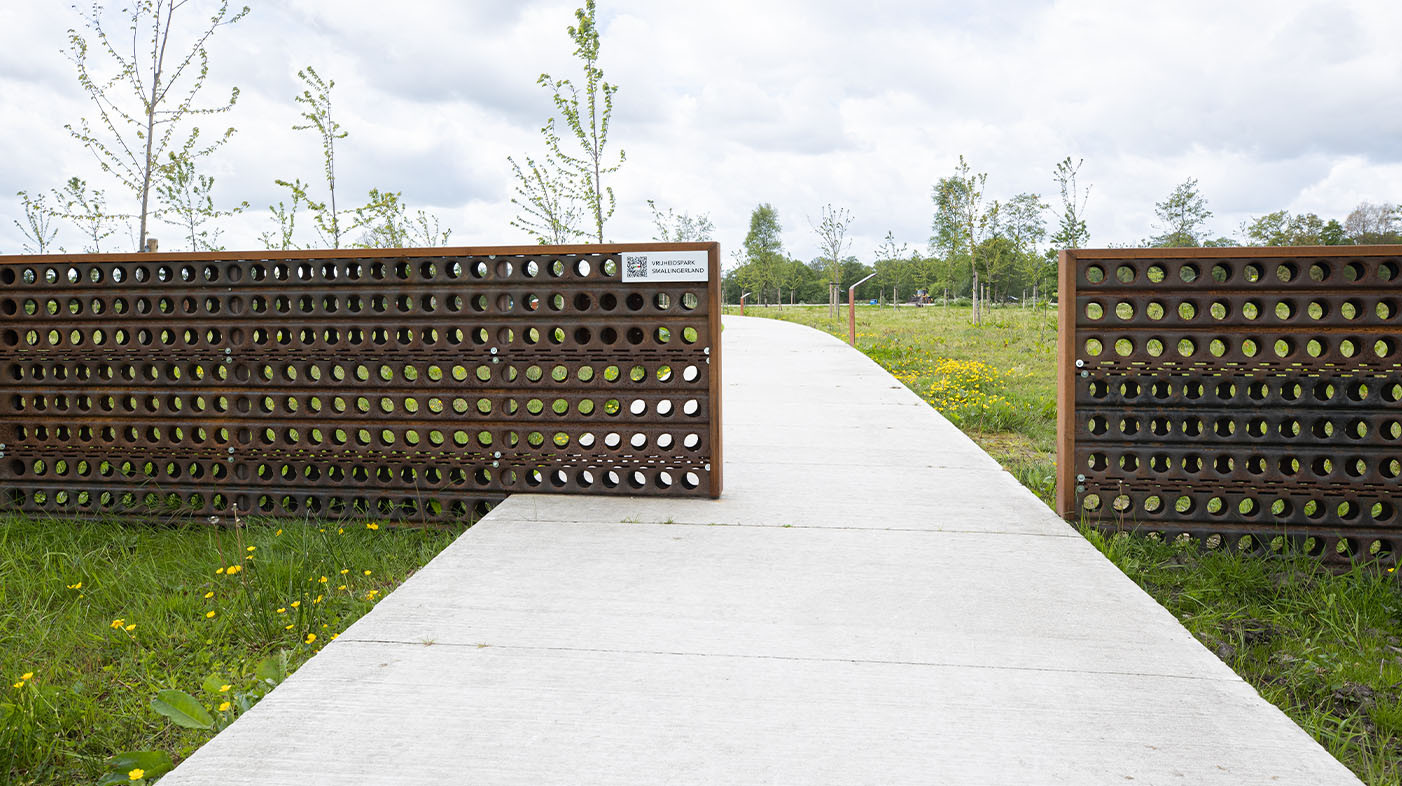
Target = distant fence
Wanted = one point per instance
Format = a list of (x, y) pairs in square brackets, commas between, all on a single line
[(415, 385), (1249, 398)]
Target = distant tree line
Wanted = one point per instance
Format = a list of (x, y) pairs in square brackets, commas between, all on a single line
[(983, 250)]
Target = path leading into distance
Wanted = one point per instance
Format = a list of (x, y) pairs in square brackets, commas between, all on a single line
[(873, 601)]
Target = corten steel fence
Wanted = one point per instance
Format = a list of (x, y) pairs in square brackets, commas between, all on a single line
[(1250, 398), (410, 385)]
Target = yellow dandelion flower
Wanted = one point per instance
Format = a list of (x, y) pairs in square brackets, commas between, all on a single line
[(234, 569), (340, 530), (282, 611), (130, 628), (279, 532), (322, 580), (318, 598), (224, 706), (311, 637), (27, 676), (344, 571), (79, 585), (371, 594), (136, 774), (372, 525), (117, 623), (251, 548), (209, 615), (219, 572), (208, 595), (296, 603), (367, 573), (288, 626), (18, 685), (341, 587), (250, 556)]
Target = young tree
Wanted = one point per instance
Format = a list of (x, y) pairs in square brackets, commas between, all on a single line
[(316, 97), (764, 252), (961, 221), (286, 217), (189, 204), (1071, 229), (680, 227), (832, 242), (548, 208), (386, 223), (1183, 216), (88, 211), (383, 221), (1024, 225), (38, 229), (893, 265), (146, 95), (588, 123)]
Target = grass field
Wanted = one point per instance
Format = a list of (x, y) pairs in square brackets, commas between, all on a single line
[(96, 619), (1324, 647)]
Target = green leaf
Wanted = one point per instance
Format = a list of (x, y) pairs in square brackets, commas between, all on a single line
[(183, 709), (155, 763), (272, 669), (213, 683), (6, 710)]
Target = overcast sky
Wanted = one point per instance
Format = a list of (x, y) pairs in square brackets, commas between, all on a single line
[(723, 105)]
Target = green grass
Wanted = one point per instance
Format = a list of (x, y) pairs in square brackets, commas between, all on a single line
[(106, 614), (1325, 647)]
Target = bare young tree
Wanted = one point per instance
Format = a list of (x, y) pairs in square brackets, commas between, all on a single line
[(38, 229), (1071, 230), (673, 227), (316, 97), (832, 242), (88, 211), (188, 203), (548, 208), (145, 95)]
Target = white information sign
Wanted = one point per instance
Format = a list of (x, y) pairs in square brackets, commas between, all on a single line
[(641, 266)]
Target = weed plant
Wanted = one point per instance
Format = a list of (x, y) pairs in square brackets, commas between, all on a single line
[(1324, 646), (98, 618)]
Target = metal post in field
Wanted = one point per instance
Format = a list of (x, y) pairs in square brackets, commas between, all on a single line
[(852, 310), (742, 303)]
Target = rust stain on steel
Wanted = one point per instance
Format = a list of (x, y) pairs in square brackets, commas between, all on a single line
[(415, 385), (1246, 398)]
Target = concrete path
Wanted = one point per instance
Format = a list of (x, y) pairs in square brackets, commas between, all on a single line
[(873, 601)]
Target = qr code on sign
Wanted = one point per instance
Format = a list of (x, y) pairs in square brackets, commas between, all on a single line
[(635, 266)]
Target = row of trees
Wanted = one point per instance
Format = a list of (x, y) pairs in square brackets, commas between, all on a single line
[(144, 138), (991, 250)]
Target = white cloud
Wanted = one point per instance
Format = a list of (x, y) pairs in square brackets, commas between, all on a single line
[(725, 105)]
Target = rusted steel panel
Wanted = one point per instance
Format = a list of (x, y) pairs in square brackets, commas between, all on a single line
[(414, 385), (1247, 397)]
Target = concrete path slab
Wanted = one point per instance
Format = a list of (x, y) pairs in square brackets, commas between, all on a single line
[(873, 601)]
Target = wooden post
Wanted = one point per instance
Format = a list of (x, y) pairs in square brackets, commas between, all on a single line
[(1066, 381)]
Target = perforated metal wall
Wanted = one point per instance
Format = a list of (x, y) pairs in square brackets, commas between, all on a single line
[(411, 385), (1248, 398)]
